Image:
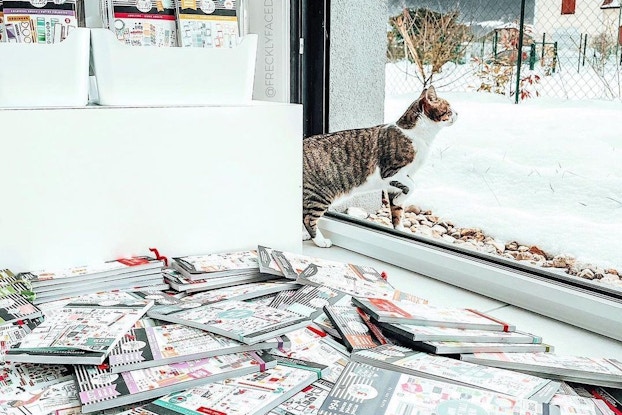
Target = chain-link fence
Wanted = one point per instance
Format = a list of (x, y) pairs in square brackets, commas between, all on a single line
[(521, 49)]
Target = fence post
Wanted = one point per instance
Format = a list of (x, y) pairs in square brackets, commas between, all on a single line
[(532, 57), (584, 49), (580, 46), (543, 46), (519, 58)]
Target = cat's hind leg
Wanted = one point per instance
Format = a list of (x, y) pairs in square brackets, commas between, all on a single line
[(310, 216)]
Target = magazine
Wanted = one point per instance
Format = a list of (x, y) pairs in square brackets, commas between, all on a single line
[(395, 311), (144, 22), (175, 343), (367, 390), (471, 347), (181, 284), (2, 28), (80, 332), (419, 333), (354, 280), (254, 394), (580, 369), (83, 275), (405, 360), (353, 331), (307, 401), (307, 301), (243, 321), (200, 267), (15, 306), (310, 346), (612, 397), (208, 24), (56, 398), (267, 264), (48, 23), (241, 292), (99, 389), (27, 377)]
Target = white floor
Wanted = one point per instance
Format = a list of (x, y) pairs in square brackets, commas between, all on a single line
[(567, 339)]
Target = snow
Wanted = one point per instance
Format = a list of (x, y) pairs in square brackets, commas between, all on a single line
[(545, 172)]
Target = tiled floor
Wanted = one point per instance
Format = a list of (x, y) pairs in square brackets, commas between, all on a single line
[(566, 338)]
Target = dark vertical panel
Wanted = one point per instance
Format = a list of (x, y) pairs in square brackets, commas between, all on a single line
[(315, 65), (295, 92)]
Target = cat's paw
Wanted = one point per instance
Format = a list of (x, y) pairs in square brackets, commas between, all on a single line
[(399, 227), (322, 242)]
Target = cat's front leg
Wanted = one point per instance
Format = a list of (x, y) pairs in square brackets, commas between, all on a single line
[(398, 192)]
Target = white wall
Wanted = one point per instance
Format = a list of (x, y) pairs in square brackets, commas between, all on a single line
[(92, 184)]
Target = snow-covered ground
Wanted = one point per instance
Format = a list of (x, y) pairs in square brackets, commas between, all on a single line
[(546, 172)]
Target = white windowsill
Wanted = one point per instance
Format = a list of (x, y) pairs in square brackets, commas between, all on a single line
[(549, 306)]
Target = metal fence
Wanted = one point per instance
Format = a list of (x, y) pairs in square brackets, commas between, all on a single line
[(520, 49)]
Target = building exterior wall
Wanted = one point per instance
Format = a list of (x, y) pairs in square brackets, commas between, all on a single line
[(357, 63)]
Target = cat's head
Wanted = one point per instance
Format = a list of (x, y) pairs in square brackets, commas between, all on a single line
[(431, 106)]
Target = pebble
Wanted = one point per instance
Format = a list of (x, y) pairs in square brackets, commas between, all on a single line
[(423, 222)]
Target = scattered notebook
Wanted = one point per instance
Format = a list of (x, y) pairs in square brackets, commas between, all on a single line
[(395, 311)]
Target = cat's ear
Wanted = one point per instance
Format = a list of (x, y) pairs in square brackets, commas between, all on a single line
[(430, 94)]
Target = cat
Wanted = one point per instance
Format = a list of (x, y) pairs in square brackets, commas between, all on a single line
[(383, 157)]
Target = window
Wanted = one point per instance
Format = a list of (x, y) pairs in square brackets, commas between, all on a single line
[(568, 6), (501, 204)]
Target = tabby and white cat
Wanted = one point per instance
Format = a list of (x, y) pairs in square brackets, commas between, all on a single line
[(383, 157)]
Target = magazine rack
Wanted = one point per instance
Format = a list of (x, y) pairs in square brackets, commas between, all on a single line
[(148, 76), (27, 70)]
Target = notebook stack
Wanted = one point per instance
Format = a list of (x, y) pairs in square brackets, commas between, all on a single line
[(139, 272)]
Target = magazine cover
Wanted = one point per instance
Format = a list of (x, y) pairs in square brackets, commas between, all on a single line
[(267, 264), (208, 23), (254, 394), (310, 346), (246, 322), (99, 389), (41, 21), (394, 311), (353, 331), (214, 265), (144, 22), (180, 283), (14, 306), (27, 377), (80, 332), (419, 333), (366, 390), (57, 398), (2, 28), (352, 280), (508, 382), (307, 401), (308, 300), (80, 274), (472, 347), (582, 369), (241, 292), (174, 343)]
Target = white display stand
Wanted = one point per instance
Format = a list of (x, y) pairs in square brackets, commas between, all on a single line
[(130, 75), (95, 183), (38, 75)]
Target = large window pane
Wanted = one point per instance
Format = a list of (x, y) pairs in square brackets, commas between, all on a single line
[(531, 173)]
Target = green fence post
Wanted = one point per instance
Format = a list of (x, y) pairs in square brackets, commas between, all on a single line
[(532, 57)]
